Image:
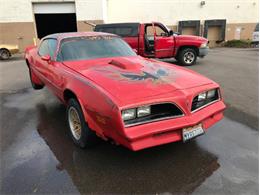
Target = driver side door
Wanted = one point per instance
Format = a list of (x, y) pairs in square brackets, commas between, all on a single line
[(46, 64), (41, 65), (163, 41)]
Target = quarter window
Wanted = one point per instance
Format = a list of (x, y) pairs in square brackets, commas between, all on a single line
[(52, 47), (48, 47), (44, 48)]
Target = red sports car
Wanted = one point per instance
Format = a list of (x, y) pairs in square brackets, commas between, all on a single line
[(113, 93)]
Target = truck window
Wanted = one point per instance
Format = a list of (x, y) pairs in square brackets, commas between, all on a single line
[(159, 31), (108, 30), (149, 31), (124, 31)]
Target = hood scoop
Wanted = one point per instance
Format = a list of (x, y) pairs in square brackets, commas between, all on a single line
[(125, 64)]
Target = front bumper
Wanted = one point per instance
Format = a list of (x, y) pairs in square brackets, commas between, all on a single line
[(203, 51), (162, 132)]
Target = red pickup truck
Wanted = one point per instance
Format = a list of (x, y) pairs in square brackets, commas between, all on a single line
[(155, 40)]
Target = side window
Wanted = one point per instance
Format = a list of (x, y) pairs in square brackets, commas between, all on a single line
[(123, 31), (44, 48), (160, 31), (149, 31), (52, 47)]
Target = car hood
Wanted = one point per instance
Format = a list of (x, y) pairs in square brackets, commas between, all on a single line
[(128, 78)]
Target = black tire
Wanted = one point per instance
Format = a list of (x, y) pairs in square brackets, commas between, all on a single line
[(5, 54), (87, 137), (34, 86), (183, 55)]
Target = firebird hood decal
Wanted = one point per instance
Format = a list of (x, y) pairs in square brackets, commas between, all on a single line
[(146, 71), (135, 77), (146, 75)]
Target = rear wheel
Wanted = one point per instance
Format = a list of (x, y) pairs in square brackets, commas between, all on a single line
[(5, 54), (187, 56), (34, 85), (80, 133)]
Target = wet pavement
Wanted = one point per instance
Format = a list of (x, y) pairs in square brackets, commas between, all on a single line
[(38, 156)]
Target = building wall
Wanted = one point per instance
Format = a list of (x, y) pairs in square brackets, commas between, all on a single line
[(239, 14), (17, 18), (17, 33), (172, 11)]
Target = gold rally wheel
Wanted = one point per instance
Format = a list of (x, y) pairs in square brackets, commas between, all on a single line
[(80, 133)]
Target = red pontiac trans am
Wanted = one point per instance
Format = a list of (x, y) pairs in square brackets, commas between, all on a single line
[(113, 93)]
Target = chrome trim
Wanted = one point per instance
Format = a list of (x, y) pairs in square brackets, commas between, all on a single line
[(154, 120), (151, 104), (205, 105), (219, 98)]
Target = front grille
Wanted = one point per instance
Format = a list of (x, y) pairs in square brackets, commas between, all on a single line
[(200, 104), (158, 112)]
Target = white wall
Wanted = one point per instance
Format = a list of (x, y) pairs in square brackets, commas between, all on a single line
[(166, 11), (171, 11), (89, 9), (22, 11), (16, 11)]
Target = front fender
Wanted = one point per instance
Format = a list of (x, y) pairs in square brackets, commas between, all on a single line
[(99, 108)]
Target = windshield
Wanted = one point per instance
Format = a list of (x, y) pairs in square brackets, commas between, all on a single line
[(91, 47)]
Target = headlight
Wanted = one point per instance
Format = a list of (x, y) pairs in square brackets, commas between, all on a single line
[(204, 44), (205, 98), (211, 93), (128, 114), (138, 112), (207, 95), (143, 111), (202, 96)]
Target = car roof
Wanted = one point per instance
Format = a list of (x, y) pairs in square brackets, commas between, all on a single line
[(61, 36)]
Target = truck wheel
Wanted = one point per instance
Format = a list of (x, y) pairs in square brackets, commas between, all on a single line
[(5, 54), (35, 86), (80, 133), (187, 56)]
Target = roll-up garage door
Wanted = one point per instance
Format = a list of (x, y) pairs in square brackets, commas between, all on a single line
[(54, 18)]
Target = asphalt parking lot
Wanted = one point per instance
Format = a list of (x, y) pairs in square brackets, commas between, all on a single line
[(37, 155)]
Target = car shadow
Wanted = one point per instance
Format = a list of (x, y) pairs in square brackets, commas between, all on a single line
[(107, 168)]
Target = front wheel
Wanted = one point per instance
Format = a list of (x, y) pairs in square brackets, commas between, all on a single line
[(187, 56), (80, 133)]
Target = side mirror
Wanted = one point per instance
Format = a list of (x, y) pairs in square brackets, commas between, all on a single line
[(135, 50), (170, 33), (46, 58)]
